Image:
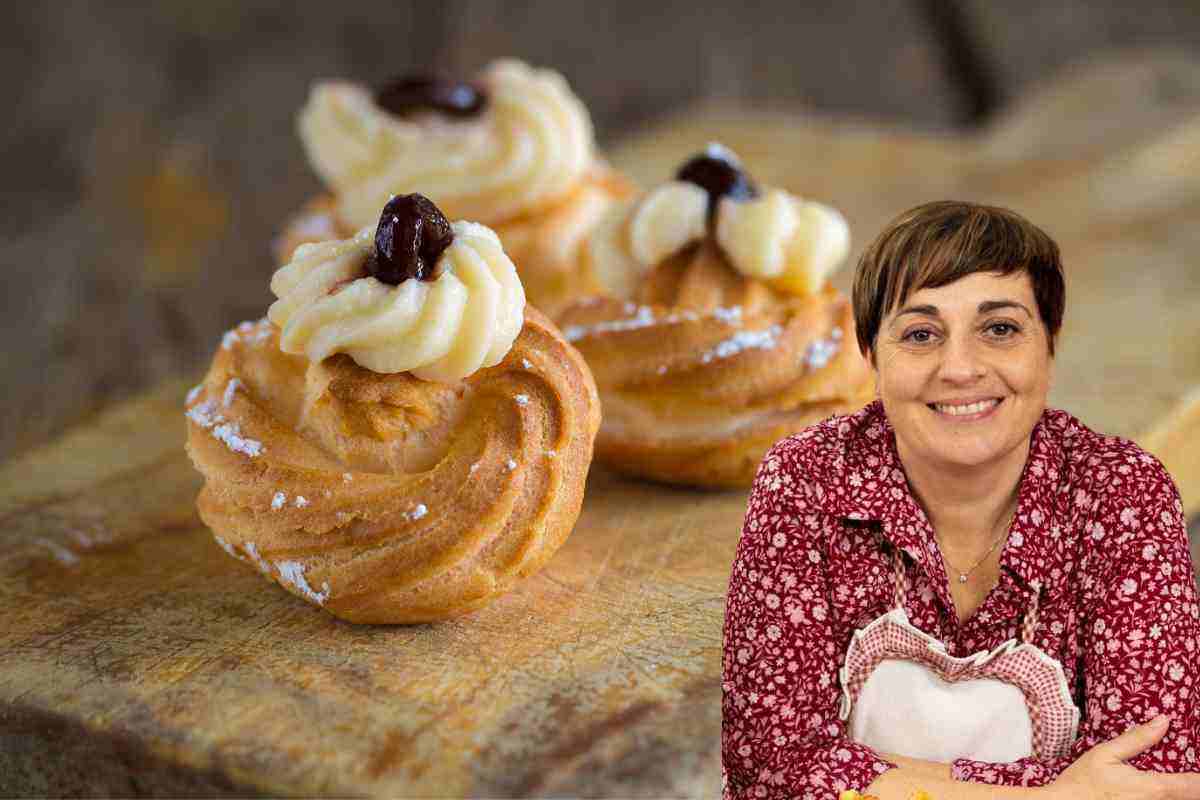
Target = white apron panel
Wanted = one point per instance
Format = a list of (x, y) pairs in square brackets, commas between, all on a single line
[(906, 709)]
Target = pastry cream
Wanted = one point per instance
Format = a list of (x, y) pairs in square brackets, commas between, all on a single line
[(528, 148), (441, 330), (638, 234), (666, 220), (790, 243)]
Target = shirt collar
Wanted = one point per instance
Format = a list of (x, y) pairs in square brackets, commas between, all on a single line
[(872, 486)]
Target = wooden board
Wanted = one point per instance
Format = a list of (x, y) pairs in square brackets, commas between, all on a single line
[(123, 618), (139, 658)]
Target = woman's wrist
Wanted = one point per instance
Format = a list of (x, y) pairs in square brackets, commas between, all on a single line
[(936, 779)]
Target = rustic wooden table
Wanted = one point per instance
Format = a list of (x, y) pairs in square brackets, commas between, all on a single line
[(141, 659)]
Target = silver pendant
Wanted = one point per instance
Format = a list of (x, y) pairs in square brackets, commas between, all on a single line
[(962, 578)]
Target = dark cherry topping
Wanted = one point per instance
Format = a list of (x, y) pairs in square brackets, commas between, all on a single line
[(716, 172), (404, 95), (411, 236)]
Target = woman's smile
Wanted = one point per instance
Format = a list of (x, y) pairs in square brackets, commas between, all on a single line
[(958, 412)]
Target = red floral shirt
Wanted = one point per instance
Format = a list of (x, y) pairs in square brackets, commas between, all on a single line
[(1099, 525)]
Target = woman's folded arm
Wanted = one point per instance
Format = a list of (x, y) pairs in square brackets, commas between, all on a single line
[(1141, 632), (781, 736)]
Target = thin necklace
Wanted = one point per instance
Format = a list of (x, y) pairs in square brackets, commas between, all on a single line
[(962, 575)]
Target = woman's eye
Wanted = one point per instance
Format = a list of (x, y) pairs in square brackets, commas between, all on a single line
[(1006, 329), (919, 336)]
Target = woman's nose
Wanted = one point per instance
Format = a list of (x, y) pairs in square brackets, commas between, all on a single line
[(962, 361)]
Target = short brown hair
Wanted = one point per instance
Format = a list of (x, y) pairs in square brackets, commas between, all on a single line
[(937, 243)]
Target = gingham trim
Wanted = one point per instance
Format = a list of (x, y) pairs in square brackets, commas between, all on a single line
[(1031, 616)]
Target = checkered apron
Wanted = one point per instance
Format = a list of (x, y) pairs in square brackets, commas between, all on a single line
[(903, 694)]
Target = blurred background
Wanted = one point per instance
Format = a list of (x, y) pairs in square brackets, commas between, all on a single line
[(150, 153)]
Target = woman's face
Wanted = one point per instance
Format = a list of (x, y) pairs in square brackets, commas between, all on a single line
[(976, 341)]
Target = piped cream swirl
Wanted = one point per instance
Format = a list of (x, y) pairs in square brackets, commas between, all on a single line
[(441, 330), (792, 244), (529, 148)]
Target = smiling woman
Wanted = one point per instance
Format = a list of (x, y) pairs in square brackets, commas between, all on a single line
[(958, 585)]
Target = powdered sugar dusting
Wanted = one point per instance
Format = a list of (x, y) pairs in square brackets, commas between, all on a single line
[(301, 501), (525, 363), (643, 317), (227, 547), (263, 566), (522, 399), (252, 333), (347, 477), (741, 341), (731, 314), (206, 416), (416, 513), (230, 390), (193, 393), (278, 500), (292, 573), (820, 352), (230, 434), (510, 465)]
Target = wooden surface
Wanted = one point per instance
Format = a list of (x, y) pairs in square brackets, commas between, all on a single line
[(163, 666), (141, 659), (150, 153)]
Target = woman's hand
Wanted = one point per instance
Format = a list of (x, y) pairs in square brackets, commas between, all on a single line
[(1102, 773)]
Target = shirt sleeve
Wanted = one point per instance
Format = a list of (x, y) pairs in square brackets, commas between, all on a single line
[(780, 732), (1140, 630)]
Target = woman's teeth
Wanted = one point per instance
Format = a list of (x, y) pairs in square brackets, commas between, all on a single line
[(973, 408)]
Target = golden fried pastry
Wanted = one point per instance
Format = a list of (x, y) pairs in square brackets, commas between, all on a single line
[(404, 437), (718, 334), (514, 151)]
